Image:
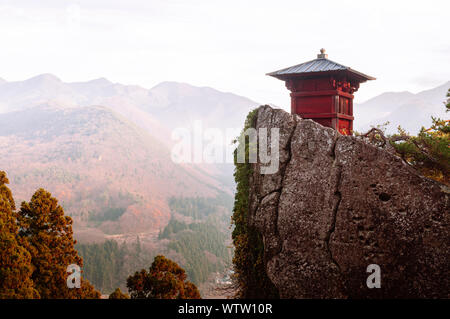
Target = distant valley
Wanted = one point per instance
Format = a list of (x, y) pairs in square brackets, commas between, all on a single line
[(100, 146)]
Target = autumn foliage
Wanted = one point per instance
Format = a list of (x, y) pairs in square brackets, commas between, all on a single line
[(36, 246), (164, 280), (118, 294), (15, 260)]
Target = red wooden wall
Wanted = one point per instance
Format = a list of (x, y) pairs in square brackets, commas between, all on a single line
[(327, 100)]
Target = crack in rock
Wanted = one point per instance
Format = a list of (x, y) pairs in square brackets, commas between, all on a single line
[(338, 197)]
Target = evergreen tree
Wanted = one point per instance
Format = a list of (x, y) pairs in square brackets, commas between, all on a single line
[(164, 280), (15, 260), (429, 151), (118, 294), (49, 238), (192, 244), (107, 265)]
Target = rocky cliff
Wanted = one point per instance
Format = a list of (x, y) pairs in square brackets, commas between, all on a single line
[(337, 205)]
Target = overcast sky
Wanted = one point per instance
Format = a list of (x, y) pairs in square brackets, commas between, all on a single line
[(228, 45)]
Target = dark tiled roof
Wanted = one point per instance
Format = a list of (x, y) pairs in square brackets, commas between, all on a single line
[(317, 65)]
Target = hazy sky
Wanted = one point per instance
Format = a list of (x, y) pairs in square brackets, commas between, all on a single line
[(228, 45)]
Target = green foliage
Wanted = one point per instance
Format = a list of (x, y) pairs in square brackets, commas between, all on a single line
[(429, 151), (248, 257), (193, 242), (164, 280), (108, 264), (107, 205), (110, 213), (174, 226), (202, 244), (199, 207)]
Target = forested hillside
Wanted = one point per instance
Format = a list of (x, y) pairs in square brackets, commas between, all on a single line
[(111, 176), (108, 264), (194, 237), (203, 247)]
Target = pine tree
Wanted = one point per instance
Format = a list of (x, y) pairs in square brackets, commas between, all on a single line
[(118, 294), (15, 260), (429, 151), (49, 238), (164, 280)]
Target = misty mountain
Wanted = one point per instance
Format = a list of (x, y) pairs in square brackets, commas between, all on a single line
[(181, 104), (103, 148), (410, 111), (110, 175), (158, 110)]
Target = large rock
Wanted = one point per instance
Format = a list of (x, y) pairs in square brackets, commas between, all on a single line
[(337, 205)]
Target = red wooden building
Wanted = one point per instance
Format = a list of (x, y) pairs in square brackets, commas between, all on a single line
[(322, 90)]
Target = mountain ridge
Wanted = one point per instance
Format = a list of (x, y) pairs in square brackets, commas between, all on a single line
[(409, 110), (81, 153)]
